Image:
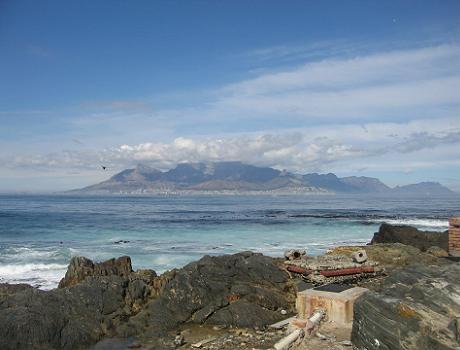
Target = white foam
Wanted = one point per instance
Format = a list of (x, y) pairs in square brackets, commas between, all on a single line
[(419, 223), (44, 276)]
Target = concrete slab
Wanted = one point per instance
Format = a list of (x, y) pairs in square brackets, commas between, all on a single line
[(338, 306)]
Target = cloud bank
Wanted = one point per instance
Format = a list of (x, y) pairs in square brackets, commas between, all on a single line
[(307, 150)]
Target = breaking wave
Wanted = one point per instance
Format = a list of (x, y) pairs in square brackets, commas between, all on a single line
[(43, 276), (426, 224)]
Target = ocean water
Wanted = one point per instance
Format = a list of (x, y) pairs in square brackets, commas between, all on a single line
[(39, 234)]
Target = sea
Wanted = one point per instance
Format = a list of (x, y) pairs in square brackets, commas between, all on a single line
[(40, 233)]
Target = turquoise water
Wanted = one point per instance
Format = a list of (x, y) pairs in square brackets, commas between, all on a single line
[(39, 234)]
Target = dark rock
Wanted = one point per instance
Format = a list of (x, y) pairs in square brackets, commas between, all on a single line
[(81, 267), (7, 290), (101, 298), (417, 308), (410, 236), (242, 290), (120, 241), (62, 318), (105, 300)]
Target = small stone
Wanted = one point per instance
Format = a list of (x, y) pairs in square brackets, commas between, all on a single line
[(321, 336), (346, 343), (179, 340)]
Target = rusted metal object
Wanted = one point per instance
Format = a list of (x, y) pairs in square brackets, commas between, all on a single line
[(297, 269), (349, 271)]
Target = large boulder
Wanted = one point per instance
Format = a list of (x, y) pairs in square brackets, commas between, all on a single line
[(418, 307), (410, 236), (108, 299)]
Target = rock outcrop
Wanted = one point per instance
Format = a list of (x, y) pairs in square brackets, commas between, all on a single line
[(108, 299), (418, 307), (81, 267), (243, 290), (408, 235), (93, 300)]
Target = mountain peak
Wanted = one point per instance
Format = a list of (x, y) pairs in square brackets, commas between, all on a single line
[(240, 177)]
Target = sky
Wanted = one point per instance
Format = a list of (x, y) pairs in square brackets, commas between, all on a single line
[(366, 88)]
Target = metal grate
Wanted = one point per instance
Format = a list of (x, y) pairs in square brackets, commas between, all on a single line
[(333, 287)]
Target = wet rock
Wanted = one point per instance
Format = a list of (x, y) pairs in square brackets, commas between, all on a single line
[(410, 236), (80, 268), (417, 308), (120, 241)]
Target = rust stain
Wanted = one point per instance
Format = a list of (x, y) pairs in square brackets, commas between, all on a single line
[(233, 297), (406, 311)]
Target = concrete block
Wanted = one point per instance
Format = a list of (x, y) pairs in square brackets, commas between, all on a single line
[(338, 306)]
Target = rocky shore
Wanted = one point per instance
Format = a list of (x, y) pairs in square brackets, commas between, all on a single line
[(228, 302)]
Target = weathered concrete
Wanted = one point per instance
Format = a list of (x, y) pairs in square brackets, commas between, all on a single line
[(338, 306)]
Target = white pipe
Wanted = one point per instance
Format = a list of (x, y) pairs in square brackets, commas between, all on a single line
[(315, 319), (287, 341)]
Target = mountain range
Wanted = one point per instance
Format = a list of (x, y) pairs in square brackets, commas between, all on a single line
[(240, 178)]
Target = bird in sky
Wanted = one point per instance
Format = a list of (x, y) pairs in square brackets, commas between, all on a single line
[(103, 167)]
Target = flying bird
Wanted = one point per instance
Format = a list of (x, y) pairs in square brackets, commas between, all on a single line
[(103, 167)]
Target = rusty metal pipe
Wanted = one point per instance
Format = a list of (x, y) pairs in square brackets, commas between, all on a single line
[(297, 269), (349, 271)]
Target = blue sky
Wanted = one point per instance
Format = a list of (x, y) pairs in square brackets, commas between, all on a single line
[(357, 88)]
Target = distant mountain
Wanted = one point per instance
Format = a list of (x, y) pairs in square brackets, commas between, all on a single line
[(351, 184), (366, 184), (237, 177), (329, 181), (424, 189)]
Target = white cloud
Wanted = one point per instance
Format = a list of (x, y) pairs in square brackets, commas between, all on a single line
[(314, 149), (401, 85), (404, 65)]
